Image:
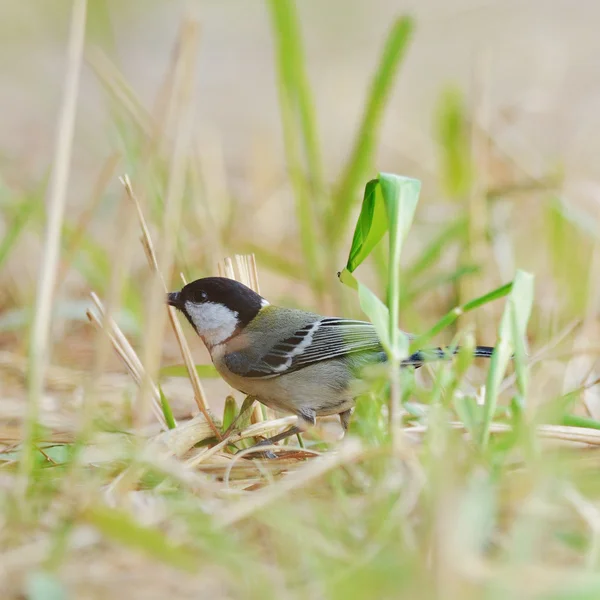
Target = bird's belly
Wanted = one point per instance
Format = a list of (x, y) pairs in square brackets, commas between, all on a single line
[(317, 387)]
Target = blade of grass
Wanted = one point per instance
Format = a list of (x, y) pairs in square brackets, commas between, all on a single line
[(456, 312), (453, 136), (199, 395), (293, 68), (510, 339), (400, 195), (372, 306), (229, 412), (166, 409), (389, 204), (359, 161), (288, 54), (38, 348)]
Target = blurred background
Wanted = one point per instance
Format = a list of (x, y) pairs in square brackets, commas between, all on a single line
[(253, 127), (490, 104)]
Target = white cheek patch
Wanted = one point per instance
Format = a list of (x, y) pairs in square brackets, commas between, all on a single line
[(213, 322)]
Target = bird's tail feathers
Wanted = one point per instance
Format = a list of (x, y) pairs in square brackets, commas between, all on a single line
[(433, 354)]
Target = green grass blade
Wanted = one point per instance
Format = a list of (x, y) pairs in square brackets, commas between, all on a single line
[(229, 412), (578, 421), (456, 312), (166, 408), (293, 69), (511, 334), (400, 195), (496, 294), (289, 63), (453, 135), (359, 163)]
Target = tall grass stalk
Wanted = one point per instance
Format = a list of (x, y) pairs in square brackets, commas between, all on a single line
[(358, 164), (57, 197), (296, 106)]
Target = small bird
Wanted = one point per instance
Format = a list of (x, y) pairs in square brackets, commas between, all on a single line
[(290, 360)]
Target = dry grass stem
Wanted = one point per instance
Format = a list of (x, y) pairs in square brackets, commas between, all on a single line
[(566, 433), (126, 352), (247, 273), (199, 394), (57, 197), (262, 428)]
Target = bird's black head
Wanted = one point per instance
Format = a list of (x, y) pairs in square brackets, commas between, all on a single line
[(217, 306)]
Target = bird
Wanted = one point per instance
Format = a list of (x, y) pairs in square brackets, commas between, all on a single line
[(291, 360)]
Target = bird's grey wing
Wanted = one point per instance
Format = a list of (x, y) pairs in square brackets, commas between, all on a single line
[(320, 340)]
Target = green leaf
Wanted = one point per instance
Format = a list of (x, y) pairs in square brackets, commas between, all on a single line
[(400, 195), (511, 334), (371, 305), (204, 371), (371, 225)]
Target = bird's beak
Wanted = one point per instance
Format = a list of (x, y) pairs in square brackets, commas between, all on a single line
[(173, 299)]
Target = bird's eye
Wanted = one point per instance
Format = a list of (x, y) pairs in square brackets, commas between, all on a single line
[(201, 296)]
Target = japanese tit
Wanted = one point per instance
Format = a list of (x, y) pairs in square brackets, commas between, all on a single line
[(290, 360)]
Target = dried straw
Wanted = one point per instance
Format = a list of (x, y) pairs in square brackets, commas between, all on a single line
[(199, 394)]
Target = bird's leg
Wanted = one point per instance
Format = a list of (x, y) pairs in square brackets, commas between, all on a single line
[(306, 418), (345, 419)]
